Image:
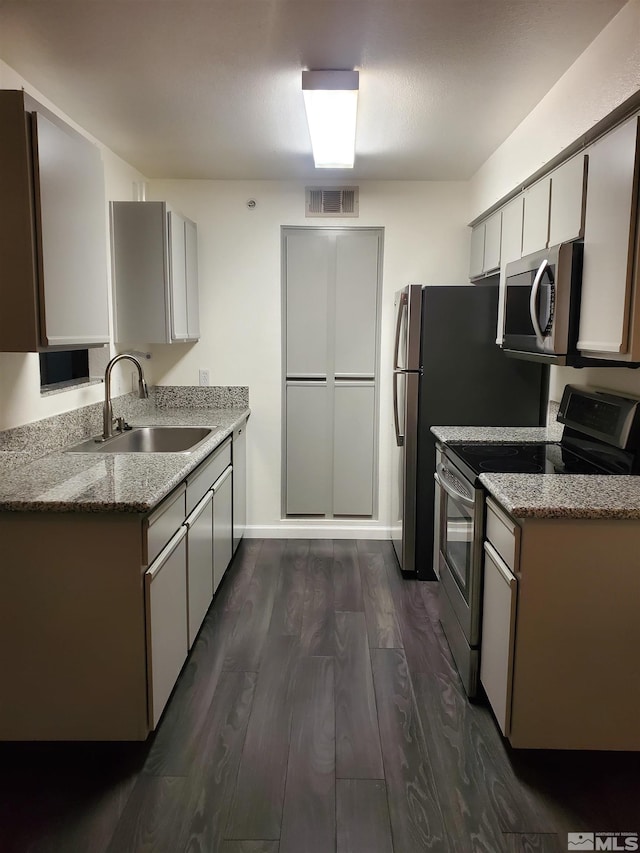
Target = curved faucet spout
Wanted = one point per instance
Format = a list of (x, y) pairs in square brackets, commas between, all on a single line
[(107, 409)]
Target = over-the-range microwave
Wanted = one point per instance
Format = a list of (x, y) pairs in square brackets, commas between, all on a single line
[(542, 304)]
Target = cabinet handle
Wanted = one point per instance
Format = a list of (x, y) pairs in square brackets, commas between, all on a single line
[(166, 552), (199, 509), (225, 474), (499, 563)]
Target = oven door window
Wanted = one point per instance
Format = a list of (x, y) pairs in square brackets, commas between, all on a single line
[(456, 539)]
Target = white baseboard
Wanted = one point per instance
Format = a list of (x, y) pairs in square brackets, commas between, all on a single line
[(320, 529)]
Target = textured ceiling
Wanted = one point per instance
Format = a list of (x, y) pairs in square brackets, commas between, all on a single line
[(211, 88)]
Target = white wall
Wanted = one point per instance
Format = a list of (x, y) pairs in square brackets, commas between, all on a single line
[(426, 240), (602, 78), (20, 399)]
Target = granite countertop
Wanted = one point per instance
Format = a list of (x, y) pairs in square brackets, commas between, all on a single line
[(566, 495), (497, 435), (112, 482)]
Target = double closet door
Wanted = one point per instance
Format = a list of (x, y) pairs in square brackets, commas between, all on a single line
[(331, 318)]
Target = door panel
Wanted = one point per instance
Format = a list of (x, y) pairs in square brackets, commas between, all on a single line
[(200, 564), (222, 525), (307, 448), (191, 269), (179, 329), (308, 266), (356, 304), (353, 454)]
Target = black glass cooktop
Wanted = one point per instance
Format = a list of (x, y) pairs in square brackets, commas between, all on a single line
[(530, 458)]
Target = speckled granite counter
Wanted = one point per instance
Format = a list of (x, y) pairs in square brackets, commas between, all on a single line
[(497, 434), (112, 482), (565, 495)]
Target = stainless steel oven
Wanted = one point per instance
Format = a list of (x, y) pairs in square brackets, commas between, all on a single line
[(459, 532), (601, 436)]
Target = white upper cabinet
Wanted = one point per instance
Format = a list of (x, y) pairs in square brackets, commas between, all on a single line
[(535, 228), (485, 246), (53, 239), (609, 326), (155, 271), (476, 264), (568, 197), (510, 250), (492, 234)]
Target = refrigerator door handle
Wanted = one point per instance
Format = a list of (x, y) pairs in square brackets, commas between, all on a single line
[(403, 308), (396, 414)]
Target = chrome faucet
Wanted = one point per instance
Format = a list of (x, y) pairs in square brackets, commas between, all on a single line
[(107, 410)]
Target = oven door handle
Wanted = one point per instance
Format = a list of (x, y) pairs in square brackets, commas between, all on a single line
[(441, 477), (533, 302)]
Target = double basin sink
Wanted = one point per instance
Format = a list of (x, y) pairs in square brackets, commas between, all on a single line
[(150, 439)]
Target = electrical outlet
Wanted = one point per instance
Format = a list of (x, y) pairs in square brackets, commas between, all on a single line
[(204, 377)]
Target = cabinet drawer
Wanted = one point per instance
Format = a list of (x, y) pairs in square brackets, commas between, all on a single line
[(163, 523), (504, 534), (207, 473)]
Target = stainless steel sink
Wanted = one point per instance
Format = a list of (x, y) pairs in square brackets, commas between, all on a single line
[(151, 439)]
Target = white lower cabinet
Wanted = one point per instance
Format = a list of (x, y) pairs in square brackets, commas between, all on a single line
[(98, 610), (560, 630), (222, 525), (200, 563), (498, 635), (167, 635)]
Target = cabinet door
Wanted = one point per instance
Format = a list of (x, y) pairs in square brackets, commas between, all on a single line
[(353, 449), (140, 252), (307, 448), (178, 277), (476, 263), (498, 635), (568, 195), (200, 563), (222, 525), (167, 636), (72, 237), (191, 273), (492, 233), (239, 458), (510, 250), (608, 241), (356, 305), (308, 269), (535, 230)]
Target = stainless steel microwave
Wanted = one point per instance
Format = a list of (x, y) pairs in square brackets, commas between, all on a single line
[(542, 304)]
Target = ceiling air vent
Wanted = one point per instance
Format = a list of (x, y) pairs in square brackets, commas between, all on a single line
[(336, 202)]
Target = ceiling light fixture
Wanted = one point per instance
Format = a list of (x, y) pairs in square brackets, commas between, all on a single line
[(331, 102)]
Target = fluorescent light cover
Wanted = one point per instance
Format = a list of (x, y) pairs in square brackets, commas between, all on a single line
[(331, 103)]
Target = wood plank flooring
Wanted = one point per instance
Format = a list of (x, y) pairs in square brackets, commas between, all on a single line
[(319, 712)]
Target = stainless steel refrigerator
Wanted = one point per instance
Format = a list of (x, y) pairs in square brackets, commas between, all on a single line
[(448, 371)]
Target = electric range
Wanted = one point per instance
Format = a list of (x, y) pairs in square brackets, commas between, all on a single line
[(601, 436)]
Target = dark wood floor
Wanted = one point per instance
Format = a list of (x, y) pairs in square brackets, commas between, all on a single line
[(319, 711)]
